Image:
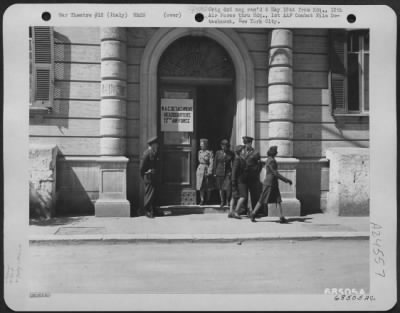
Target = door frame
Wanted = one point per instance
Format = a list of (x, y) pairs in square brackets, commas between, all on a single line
[(192, 89), (244, 122)]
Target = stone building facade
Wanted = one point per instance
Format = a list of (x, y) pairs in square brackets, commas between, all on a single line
[(96, 95)]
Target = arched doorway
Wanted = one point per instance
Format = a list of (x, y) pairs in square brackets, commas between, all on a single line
[(243, 122), (196, 100)]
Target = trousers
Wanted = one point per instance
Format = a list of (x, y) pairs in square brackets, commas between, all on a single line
[(150, 192)]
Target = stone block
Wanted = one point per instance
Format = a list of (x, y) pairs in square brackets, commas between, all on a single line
[(278, 110), (280, 93), (113, 108), (285, 147), (280, 74), (113, 127), (42, 181), (112, 146), (281, 56), (348, 182), (120, 208), (113, 69), (113, 49), (280, 129), (281, 37), (290, 204), (290, 207), (113, 33), (112, 200)]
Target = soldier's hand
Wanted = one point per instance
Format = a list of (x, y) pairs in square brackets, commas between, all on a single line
[(290, 182)]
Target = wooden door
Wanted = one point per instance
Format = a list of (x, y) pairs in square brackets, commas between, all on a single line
[(178, 151)]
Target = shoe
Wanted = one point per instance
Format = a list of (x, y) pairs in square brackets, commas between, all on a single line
[(230, 215), (235, 215), (252, 217), (221, 205), (201, 202), (150, 214), (283, 220)]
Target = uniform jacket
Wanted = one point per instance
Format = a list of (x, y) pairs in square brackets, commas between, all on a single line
[(238, 171), (253, 163), (150, 161), (223, 163), (206, 159), (272, 175)]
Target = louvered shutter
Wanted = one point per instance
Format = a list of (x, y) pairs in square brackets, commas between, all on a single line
[(42, 54), (337, 70)]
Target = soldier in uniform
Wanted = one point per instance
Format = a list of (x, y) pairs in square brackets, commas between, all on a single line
[(271, 193), (204, 171), (252, 170), (223, 171), (149, 171), (238, 198)]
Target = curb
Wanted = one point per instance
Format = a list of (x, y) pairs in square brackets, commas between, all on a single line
[(170, 238)]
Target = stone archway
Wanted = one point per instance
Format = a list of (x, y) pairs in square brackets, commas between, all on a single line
[(227, 38)]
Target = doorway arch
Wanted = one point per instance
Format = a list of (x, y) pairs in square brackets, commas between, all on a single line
[(232, 43)]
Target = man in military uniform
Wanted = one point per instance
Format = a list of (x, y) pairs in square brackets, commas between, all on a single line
[(149, 171), (252, 169)]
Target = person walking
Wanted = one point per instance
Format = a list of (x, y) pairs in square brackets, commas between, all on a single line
[(270, 192), (149, 171), (222, 171), (204, 183), (252, 170)]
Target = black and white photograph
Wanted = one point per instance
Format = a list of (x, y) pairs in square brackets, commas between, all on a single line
[(224, 160)]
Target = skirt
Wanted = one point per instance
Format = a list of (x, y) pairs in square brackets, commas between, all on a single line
[(223, 182), (270, 194)]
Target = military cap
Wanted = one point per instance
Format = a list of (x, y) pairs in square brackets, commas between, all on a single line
[(203, 140), (247, 139), (272, 151), (152, 140), (224, 142)]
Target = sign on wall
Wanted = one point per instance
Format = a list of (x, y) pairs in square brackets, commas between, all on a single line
[(177, 115)]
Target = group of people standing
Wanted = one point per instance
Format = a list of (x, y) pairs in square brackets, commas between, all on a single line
[(236, 174)]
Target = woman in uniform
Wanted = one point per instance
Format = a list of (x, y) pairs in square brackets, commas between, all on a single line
[(223, 171), (271, 193), (204, 171)]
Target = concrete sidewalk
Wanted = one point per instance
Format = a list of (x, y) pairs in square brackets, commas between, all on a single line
[(196, 227)]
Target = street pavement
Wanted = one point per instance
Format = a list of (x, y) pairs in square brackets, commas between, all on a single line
[(195, 227), (248, 267)]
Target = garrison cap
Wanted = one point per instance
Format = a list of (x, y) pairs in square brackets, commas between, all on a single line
[(224, 142), (247, 139), (152, 140)]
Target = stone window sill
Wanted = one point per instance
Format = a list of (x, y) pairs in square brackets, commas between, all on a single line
[(351, 114), (40, 110)]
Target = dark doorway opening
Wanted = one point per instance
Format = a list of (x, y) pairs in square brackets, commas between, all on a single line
[(215, 114)]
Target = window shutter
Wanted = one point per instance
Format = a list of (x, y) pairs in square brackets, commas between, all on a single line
[(43, 76), (337, 70)]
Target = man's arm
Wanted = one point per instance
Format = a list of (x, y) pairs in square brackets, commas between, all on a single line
[(144, 164)]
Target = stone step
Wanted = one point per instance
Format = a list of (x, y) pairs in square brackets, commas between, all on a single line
[(195, 209), (192, 209)]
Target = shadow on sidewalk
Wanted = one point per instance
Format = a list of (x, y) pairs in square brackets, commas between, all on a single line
[(290, 220), (61, 220)]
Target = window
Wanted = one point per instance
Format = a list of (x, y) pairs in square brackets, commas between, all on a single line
[(41, 67), (349, 71)]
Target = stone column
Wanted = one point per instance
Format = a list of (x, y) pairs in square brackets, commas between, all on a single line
[(280, 114), (113, 162)]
